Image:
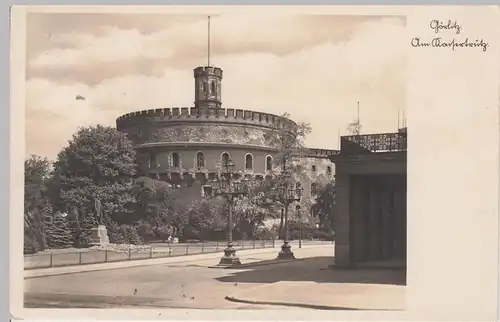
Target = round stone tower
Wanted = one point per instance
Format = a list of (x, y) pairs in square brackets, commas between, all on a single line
[(185, 146)]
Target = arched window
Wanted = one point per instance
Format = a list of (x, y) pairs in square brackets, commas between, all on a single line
[(200, 160), (204, 87), (176, 160), (314, 188), (249, 162), (212, 89), (313, 168), (225, 158), (269, 163), (329, 171), (153, 160)]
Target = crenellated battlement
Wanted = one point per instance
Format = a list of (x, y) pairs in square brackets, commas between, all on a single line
[(208, 70), (180, 114)]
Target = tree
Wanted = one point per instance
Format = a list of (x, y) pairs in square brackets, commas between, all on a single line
[(80, 224), (57, 232), (155, 203), (206, 215), (36, 204), (98, 163), (324, 206), (251, 210), (354, 127), (289, 139)]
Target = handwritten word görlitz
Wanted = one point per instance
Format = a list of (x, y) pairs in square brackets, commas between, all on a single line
[(438, 25), (439, 42)]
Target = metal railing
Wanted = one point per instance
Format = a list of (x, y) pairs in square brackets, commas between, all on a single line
[(62, 257), (369, 143)]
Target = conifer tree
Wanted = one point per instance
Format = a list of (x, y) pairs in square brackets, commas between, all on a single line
[(57, 232)]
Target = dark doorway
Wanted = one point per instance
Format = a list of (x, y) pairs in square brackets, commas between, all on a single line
[(377, 218)]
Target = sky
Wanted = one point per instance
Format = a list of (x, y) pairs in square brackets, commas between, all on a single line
[(316, 67)]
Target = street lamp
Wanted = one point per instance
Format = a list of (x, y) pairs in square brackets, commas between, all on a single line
[(225, 185), (297, 208), (288, 193)]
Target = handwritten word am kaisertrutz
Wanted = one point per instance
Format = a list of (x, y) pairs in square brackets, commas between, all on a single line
[(438, 25), (438, 42)]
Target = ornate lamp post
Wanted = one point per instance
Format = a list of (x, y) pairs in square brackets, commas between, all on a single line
[(288, 193), (297, 208), (225, 185)]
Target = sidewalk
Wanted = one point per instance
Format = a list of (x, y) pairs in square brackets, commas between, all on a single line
[(247, 256), (310, 284)]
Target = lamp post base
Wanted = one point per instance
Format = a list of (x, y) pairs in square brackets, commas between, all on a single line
[(286, 252), (229, 258)]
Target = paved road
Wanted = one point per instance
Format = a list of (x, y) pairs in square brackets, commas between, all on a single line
[(177, 285), (62, 257)]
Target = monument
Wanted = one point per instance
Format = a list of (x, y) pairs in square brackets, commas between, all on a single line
[(99, 234)]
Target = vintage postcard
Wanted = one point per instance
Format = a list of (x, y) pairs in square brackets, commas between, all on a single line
[(277, 162)]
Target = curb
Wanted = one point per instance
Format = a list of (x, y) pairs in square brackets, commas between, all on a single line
[(303, 305)]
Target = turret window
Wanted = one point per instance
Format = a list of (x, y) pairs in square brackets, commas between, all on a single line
[(204, 87), (212, 90)]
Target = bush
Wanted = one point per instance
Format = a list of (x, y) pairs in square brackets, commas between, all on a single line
[(266, 234), (163, 232), (145, 230), (322, 235), (295, 234), (190, 232), (84, 241), (123, 234)]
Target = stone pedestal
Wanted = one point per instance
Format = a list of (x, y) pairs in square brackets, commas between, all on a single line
[(286, 252), (230, 258), (99, 235)]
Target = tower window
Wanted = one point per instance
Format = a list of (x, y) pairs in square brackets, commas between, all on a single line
[(269, 163), (200, 160), (313, 168), (329, 171), (249, 162), (212, 89), (204, 87), (176, 160), (225, 158)]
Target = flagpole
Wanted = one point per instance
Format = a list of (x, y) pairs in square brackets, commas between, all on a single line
[(398, 118), (208, 47)]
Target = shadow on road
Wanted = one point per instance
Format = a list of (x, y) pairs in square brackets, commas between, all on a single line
[(314, 269)]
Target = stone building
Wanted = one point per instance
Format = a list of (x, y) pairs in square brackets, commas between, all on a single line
[(370, 215), (185, 146)]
